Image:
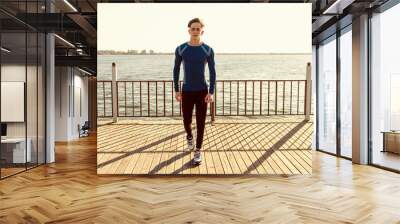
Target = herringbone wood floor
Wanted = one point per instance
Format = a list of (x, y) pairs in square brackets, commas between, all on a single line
[(266, 145), (70, 191)]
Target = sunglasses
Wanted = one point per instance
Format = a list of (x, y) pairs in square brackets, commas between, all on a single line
[(195, 28)]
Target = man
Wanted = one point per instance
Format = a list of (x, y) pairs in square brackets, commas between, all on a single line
[(194, 55)]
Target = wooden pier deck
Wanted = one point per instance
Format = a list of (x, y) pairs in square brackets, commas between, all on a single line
[(265, 145)]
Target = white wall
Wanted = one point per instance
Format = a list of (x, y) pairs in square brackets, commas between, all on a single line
[(62, 81), (70, 83), (14, 73), (79, 117)]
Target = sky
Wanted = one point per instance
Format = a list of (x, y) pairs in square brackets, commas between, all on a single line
[(229, 27)]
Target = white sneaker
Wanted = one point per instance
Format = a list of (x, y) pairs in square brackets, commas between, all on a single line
[(190, 145), (197, 156)]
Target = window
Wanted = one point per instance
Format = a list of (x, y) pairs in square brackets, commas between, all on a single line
[(385, 88), (327, 95), (346, 92)]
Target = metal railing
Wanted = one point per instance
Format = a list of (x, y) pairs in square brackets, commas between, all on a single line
[(156, 98), (104, 99)]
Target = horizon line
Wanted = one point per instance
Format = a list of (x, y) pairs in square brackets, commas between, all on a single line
[(148, 53)]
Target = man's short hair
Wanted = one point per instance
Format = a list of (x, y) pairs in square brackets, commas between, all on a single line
[(196, 20)]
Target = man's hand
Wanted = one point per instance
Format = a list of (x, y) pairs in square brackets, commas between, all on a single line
[(178, 96), (209, 98)]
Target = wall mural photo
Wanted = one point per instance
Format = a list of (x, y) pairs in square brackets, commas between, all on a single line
[(184, 90)]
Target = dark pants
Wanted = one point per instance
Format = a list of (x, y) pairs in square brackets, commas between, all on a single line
[(189, 99)]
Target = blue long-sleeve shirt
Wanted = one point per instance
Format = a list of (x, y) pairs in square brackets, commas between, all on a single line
[(194, 59)]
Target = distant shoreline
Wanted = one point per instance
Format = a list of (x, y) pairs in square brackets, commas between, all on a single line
[(120, 53)]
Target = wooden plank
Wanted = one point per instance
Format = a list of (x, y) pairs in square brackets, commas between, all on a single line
[(281, 164), (303, 166), (230, 156), (174, 158), (305, 156), (112, 152), (167, 163), (217, 163), (116, 163), (233, 163), (137, 169), (243, 155), (256, 162), (260, 154), (132, 163), (170, 158), (264, 162), (277, 169), (217, 154), (222, 155), (249, 157), (209, 163), (287, 162), (202, 169), (106, 168), (219, 167), (147, 155), (147, 160), (152, 157), (139, 164), (155, 165), (187, 161), (248, 162)]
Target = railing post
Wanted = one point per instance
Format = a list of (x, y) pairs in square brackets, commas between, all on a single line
[(114, 93), (308, 92), (212, 105)]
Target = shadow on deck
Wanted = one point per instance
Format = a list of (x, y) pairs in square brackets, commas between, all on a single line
[(233, 146)]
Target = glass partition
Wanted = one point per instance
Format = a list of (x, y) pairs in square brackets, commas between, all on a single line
[(22, 88), (41, 97), (13, 86), (346, 92), (327, 95), (31, 97), (385, 89)]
